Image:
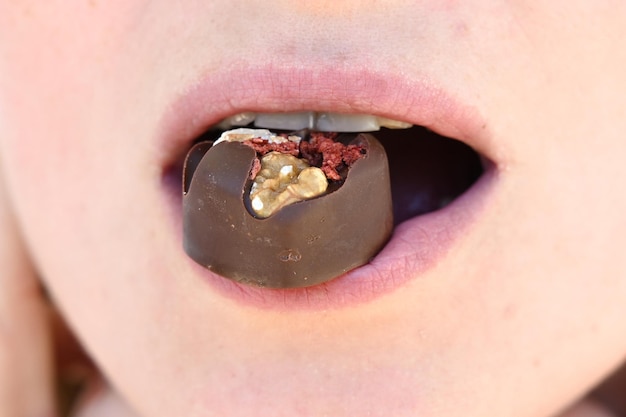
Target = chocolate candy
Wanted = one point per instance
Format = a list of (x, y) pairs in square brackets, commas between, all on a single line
[(303, 244)]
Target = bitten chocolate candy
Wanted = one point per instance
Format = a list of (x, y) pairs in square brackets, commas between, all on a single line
[(303, 244)]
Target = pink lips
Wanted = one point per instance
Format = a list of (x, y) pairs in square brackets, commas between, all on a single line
[(417, 244)]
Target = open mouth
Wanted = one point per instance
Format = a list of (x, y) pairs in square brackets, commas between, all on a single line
[(426, 172), (440, 157)]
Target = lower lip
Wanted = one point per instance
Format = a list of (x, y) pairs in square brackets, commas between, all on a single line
[(416, 246)]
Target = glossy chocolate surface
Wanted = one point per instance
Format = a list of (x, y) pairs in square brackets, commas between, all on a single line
[(303, 244)]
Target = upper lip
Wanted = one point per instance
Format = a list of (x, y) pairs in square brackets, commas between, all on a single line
[(275, 88)]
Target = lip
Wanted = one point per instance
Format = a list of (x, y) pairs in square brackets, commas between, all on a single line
[(417, 245)]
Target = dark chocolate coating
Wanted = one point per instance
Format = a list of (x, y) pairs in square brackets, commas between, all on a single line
[(303, 244)]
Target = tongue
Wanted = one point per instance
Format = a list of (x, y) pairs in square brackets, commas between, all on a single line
[(427, 171)]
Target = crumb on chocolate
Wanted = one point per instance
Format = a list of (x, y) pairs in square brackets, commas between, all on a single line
[(256, 167), (263, 146), (331, 156)]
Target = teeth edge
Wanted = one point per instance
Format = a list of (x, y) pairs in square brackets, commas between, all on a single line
[(320, 121)]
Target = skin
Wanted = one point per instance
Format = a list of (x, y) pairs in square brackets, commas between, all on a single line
[(522, 317)]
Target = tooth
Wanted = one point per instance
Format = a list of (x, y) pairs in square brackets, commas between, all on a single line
[(240, 119), (393, 124), (285, 121), (337, 122)]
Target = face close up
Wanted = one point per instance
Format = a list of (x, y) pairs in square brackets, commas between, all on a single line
[(507, 300)]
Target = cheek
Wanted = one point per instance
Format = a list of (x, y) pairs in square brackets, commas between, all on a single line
[(78, 110), (71, 145), (47, 82), (56, 86)]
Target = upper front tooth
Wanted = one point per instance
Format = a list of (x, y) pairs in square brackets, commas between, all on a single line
[(286, 121), (338, 122)]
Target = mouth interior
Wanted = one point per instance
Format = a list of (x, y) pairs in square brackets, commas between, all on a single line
[(427, 171)]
